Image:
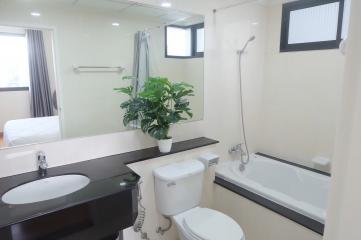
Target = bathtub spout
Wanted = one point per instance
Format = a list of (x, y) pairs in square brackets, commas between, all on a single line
[(239, 149), (236, 149), (242, 167)]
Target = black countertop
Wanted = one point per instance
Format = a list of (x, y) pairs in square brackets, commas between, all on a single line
[(105, 176)]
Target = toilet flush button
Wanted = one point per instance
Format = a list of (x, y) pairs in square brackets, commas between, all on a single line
[(122, 184)]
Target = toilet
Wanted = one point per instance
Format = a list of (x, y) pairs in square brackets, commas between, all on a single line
[(178, 191)]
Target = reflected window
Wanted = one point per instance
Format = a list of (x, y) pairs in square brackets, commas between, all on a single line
[(14, 71), (199, 41), (179, 42), (313, 25), (184, 41)]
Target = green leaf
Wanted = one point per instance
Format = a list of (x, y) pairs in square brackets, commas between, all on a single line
[(126, 90), (159, 104)]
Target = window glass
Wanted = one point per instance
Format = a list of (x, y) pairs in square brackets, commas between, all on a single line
[(179, 42), (200, 40), (14, 71), (314, 24)]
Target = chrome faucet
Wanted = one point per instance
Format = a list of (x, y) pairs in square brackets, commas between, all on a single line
[(239, 149), (42, 164), (236, 149)]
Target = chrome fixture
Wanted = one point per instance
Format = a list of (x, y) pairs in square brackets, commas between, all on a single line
[(244, 162), (236, 149), (252, 38), (42, 164), (80, 69)]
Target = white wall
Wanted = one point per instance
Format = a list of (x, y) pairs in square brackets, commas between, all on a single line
[(344, 211), (302, 90), (13, 105), (229, 29)]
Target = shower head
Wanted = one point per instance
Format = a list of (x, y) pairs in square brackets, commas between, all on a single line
[(252, 38)]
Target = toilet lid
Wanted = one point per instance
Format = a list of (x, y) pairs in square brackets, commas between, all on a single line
[(208, 224)]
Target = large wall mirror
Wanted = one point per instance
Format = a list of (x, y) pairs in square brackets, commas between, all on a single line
[(60, 61)]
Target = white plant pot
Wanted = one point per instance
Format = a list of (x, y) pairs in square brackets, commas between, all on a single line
[(165, 145)]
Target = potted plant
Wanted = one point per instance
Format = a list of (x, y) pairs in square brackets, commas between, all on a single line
[(156, 107)]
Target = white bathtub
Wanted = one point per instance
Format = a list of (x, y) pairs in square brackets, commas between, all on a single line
[(298, 189)]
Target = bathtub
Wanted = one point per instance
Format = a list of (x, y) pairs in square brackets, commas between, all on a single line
[(300, 190)]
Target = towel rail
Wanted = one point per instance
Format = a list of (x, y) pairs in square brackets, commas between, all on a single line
[(98, 69)]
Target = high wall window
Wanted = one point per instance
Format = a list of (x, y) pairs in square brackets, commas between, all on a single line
[(14, 71), (184, 41), (313, 25)]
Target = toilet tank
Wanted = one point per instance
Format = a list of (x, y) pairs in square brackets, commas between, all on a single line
[(178, 186)]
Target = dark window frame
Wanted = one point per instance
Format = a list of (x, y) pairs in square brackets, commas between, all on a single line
[(302, 4), (194, 53), (194, 40)]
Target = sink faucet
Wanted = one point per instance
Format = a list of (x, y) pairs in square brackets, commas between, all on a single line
[(42, 164)]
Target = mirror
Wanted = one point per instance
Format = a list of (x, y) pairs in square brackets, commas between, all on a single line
[(61, 60)]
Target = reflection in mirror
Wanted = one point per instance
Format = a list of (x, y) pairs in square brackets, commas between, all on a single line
[(27, 87), (60, 61)]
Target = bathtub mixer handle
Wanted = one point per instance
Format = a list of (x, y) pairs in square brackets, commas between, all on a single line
[(237, 149)]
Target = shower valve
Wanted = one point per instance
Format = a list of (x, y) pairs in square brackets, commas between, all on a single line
[(236, 149)]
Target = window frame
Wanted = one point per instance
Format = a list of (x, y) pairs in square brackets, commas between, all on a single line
[(194, 40), (14, 89), (193, 28), (287, 8)]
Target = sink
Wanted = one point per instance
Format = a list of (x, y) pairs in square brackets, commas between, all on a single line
[(45, 189)]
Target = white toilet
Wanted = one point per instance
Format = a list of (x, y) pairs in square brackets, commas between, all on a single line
[(178, 190)]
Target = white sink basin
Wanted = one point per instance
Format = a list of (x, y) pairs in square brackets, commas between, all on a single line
[(45, 189)]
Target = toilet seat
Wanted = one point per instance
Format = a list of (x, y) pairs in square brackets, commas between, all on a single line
[(208, 224)]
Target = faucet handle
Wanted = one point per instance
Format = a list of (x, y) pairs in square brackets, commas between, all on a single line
[(41, 156), (42, 160), (237, 149)]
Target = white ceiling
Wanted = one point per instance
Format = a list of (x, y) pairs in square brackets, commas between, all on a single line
[(121, 8)]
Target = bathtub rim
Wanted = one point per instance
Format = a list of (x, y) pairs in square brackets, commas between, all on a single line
[(294, 164), (282, 210)]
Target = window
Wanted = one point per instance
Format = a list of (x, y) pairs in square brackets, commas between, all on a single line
[(14, 70), (179, 42), (198, 31), (312, 25), (184, 41)]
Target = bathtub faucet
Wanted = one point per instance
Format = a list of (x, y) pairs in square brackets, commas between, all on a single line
[(42, 163), (236, 149), (239, 149)]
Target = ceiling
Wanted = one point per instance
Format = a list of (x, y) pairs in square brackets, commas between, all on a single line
[(121, 8)]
